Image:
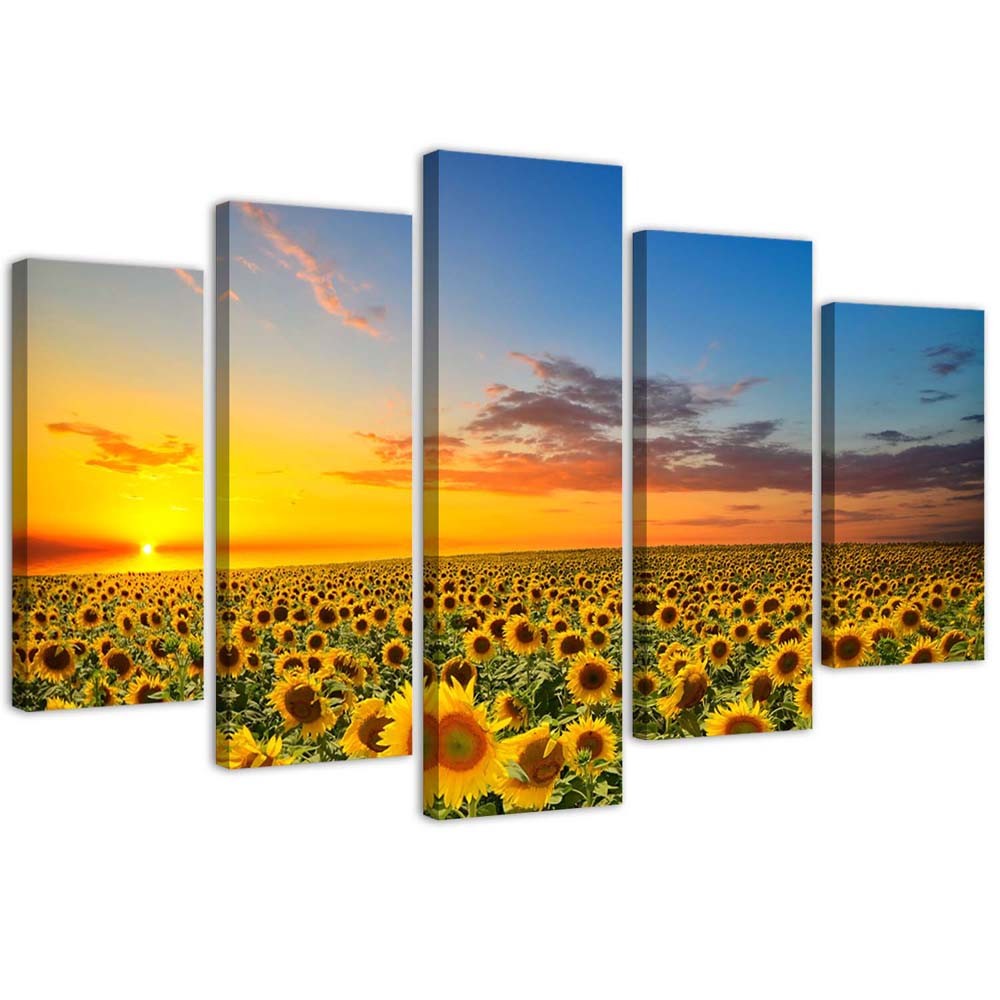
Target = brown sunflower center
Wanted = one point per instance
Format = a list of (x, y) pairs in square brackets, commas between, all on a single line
[(303, 703), (119, 663), (693, 691), (593, 676), (541, 770), (370, 731), (593, 742), (646, 685), (761, 688), (57, 658), (848, 647), (481, 644), (524, 632), (923, 655), (788, 662), (229, 655)]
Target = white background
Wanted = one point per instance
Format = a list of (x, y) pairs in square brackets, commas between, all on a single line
[(860, 858)]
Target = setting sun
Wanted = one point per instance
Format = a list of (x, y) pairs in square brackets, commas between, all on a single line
[(147, 549)]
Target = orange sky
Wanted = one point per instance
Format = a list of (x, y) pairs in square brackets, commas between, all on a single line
[(112, 419)]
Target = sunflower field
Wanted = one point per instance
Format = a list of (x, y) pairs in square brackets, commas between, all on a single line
[(86, 641), (721, 640), (313, 663), (902, 603), (522, 682)]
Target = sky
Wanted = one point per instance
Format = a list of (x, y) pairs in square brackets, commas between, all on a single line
[(318, 304), (113, 418), (725, 368), (904, 392), (529, 353)]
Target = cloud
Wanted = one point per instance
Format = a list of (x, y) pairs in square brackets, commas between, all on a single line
[(229, 294), (955, 467), (935, 396), (310, 270), (252, 267), (116, 452), (976, 418), (949, 358), (189, 279), (896, 437), (745, 506)]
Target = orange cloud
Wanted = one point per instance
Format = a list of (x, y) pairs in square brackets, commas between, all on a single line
[(189, 279), (116, 452), (229, 294), (310, 270)]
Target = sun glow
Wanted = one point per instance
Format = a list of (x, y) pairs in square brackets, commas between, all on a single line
[(147, 549)]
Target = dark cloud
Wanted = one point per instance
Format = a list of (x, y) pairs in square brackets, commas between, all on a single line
[(935, 396), (957, 467), (743, 506), (896, 437), (948, 358), (976, 418)]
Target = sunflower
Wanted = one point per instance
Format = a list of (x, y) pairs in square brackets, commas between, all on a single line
[(363, 737), (924, 651), (718, 650), (458, 671), (126, 621), (645, 683), (738, 717), (762, 632), (533, 762), (460, 749), (804, 697), (245, 635), (568, 645), (509, 711), (89, 616), (300, 703), (593, 737), (590, 679), (849, 646), (522, 636), (404, 620), (395, 652), (667, 616), (54, 661), (759, 686), (59, 703), (952, 639), (740, 632), (144, 689), (121, 663), (907, 619), (480, 646), (787, 663), (690, 685), (244, 750), (598, 639), (397, 736), (229, 659)]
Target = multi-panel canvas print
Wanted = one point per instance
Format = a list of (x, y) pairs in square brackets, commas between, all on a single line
[(106, 485), (722, 602), (522, 485), (313, 484), (902, 461)]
